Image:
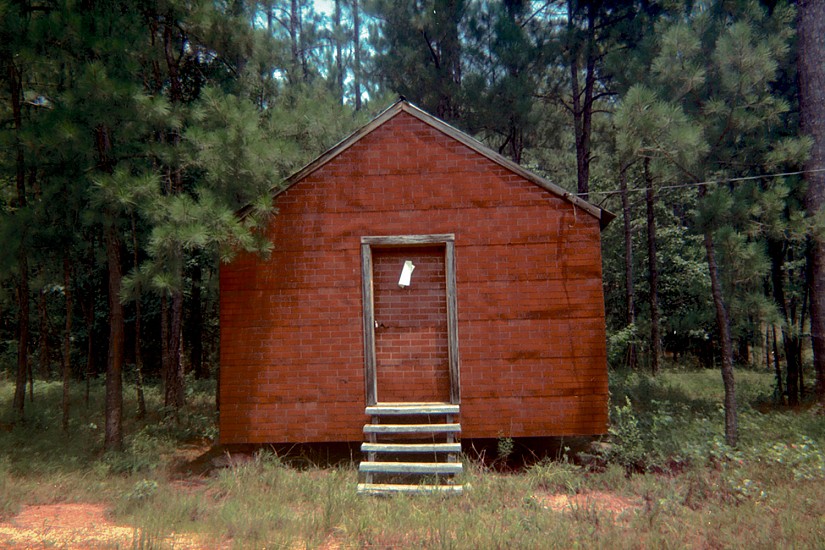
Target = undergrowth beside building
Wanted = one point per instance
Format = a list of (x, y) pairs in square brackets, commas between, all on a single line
[(663, 477)]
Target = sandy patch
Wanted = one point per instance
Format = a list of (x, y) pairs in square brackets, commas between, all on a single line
[(599, 501), (74, 526)]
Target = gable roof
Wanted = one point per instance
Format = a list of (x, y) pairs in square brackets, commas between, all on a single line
[(402, 105)]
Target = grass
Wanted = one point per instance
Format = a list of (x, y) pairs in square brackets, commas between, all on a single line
[(666, 461)]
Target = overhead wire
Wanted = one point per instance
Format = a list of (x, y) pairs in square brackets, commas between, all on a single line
[(709, 182)]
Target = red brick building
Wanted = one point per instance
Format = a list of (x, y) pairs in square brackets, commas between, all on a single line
[(503, 314)]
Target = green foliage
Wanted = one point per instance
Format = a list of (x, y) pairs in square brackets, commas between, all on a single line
[(142, 454), (618, 343), (805, 459), (166, 149), (504, 448), (648, 126), (556, 476), (143, 491), (674, 420), (418, 52), (715, 104), (626, 444)]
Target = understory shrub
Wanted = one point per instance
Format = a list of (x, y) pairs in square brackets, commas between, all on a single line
[(667, 422), (142, 454), (556, 476)]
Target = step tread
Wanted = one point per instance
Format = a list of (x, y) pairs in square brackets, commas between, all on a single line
[(411, 428), (398, 409), (411, 447), (412, 467), (391, 488)]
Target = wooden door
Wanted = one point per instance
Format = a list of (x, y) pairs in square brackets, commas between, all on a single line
[(410, 340), (411, 358)]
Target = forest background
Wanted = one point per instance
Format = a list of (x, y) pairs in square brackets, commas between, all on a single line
[(133, 131)]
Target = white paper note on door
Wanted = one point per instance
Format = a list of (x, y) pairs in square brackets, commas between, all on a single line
[(406, 274)]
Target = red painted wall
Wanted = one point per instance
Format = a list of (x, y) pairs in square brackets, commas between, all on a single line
[(530, 305)]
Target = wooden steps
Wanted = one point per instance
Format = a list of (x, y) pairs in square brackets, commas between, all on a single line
[(425, 435), (395, 488), (411, 467), (411, 428), (411, 447), (404, 409)]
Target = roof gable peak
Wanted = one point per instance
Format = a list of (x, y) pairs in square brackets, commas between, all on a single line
[(403, 105)]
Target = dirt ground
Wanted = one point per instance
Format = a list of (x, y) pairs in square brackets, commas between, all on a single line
[(74, 526), (598, 501)]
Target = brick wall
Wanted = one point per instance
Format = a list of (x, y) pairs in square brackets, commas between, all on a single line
[(530, 305), (412, 363)]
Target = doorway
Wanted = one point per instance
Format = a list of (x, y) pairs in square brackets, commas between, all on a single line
[(410, 340)]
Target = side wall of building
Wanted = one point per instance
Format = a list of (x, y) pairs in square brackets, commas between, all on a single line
[(530, 304)]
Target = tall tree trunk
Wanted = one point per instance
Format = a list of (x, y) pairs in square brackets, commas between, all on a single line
[(725, 344), (743, 345), (630, 298), (67, 340), (448, 64), (174, 395), (295, 47), (172, 365), (113, 433), (652, 270), (777, 368), (196, 331), (339, 57), (22, 291), (43, 314), (114, 368), (174, 381), (172, 64), (790, 341), (802, 315), (31, 383), (22, 336), (302, 47), (88, 309), (356, 54), (165, 357), (141, 400), (791, 344), (582, 98), (811, 30)]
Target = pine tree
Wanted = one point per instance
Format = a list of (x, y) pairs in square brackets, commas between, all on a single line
[(715, 75), (506, 52), (655, 135), (15, 53), (418, 52), (811, 25), (590, 45)]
